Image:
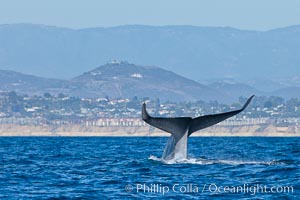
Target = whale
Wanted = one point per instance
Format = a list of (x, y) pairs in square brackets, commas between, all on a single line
[(181, 129)]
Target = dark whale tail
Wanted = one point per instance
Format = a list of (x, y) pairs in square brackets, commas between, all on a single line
[(179, 125), (182, 127)]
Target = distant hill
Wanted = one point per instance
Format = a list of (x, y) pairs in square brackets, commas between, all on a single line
[(270, 84), (28, 84), (197, 53), (122, 79), (289, 92), (288, 88), (235, 89)]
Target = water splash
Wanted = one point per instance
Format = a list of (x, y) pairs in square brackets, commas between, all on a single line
[(200, 161)]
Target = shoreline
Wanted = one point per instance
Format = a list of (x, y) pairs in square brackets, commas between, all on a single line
[(7, 130)]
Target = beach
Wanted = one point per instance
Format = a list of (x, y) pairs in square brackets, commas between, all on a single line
[(80, 130)]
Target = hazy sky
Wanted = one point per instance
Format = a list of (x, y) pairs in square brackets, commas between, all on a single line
[(243, 14)]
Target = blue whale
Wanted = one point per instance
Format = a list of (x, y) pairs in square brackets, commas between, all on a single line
[(181, 128)]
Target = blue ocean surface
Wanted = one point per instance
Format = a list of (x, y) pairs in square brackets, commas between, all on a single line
[(130, 168)]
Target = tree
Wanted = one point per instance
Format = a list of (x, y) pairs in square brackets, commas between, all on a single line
[(47, 95), (61, 95)]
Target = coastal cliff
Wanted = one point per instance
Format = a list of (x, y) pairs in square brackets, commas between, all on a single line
[(78, 130)]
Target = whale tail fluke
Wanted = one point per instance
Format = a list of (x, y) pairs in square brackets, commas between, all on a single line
[(178, 125)]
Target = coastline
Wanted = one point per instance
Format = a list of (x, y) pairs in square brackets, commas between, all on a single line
[(144, 131)]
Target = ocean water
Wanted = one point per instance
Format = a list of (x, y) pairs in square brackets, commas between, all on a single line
[(130, 168)]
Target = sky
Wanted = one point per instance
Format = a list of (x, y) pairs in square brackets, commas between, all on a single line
[(242, 14)]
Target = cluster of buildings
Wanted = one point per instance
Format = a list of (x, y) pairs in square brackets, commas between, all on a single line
[(60, 110)]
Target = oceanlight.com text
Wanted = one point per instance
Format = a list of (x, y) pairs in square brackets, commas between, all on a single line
[(208, 188), (248, 189)]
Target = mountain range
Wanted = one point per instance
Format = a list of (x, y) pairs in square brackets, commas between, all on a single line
[(197, 63), (198, 53), (120, 79)]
